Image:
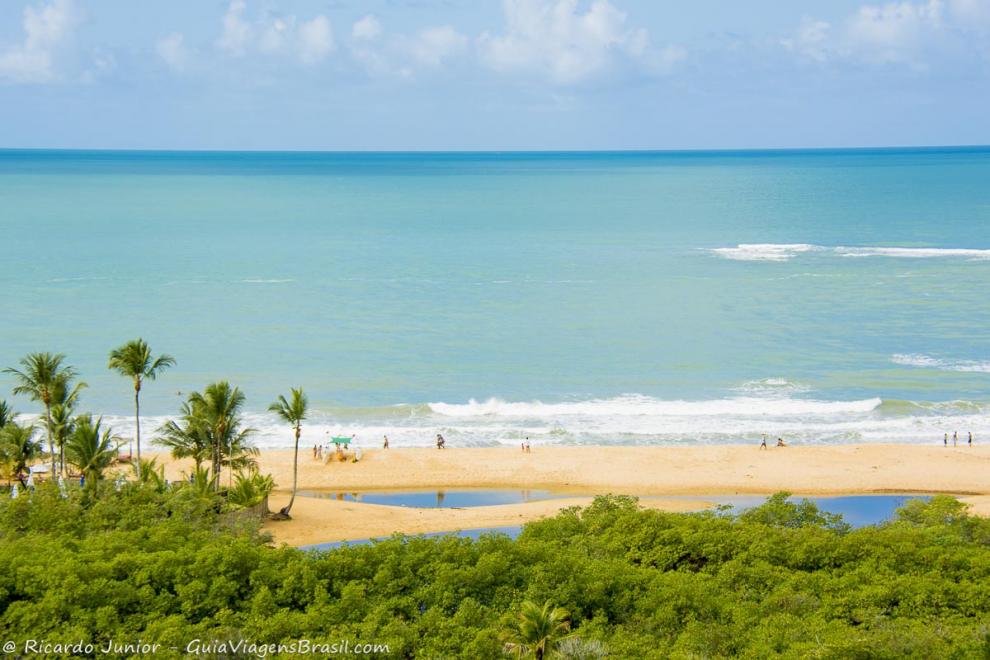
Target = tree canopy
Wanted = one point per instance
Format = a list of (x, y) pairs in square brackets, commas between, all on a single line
[(780, 581)]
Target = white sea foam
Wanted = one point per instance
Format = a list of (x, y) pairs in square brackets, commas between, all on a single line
[(765, 251), (929, 362), (644, 406), (628, 419), (788, 251), (258, 280)]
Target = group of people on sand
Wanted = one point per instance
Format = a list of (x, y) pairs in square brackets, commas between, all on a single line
[(780, 442), (525, 446), (955, 439), (322, 452)]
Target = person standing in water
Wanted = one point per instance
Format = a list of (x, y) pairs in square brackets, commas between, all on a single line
[(386, 442), (763, 442)]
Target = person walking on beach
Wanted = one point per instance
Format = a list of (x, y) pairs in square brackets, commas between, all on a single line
[(955, 439), (945, 440), (763, 442), (440, 441), (970, 438), (386, 442)]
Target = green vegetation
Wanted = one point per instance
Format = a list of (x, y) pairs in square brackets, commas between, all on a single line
[(210, 432), (18, 450), (135, 361), (91, 449), (537, 631), (780, 581), (44, 378)]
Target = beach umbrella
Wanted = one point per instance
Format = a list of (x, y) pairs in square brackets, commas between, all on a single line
[(14, 492)]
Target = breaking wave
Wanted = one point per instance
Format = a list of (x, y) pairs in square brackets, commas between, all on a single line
[(788, 251), (929, 362), (632, 419)]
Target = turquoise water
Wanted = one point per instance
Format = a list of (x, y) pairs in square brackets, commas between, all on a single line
[(437, 499), (827, 296), (856, 510)]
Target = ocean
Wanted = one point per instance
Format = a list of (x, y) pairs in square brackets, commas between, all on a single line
[(825, 296)]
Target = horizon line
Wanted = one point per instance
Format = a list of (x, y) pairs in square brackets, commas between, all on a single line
[(703, 150)]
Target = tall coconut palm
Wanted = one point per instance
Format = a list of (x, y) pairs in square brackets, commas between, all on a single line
[(43, 377), (537, 630), (292, 411), (18, 449), (134, 360), (91, 448)]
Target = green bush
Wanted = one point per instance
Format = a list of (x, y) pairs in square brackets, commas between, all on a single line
[(783, 580)]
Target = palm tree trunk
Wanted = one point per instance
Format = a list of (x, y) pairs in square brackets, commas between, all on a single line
[(137, 422), (51, 441), (295, 473)]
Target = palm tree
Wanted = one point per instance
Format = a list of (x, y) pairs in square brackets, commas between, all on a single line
[(91, 449), (149, 473), (211, 430), (62, 426), (293, 412), (18, 448), (44, 378), (7, 415), (134, 360), (188, 441), (537, 630)]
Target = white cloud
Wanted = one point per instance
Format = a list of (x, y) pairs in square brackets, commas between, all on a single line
[(237, 33), (172, 50), (893, 32), (309, 41), (315, 39), (812, 40), (46, 29), (975, 12), (403, 55), (914, 35), (553, 39), (367, 28), (434, 45)]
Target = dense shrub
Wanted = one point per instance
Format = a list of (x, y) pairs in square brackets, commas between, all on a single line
[(783, 580)]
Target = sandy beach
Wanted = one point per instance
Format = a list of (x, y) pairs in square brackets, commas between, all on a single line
[(578, 473)]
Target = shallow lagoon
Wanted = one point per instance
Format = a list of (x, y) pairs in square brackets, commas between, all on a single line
[(857, 510)]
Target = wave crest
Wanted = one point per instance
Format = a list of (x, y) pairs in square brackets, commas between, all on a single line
[(788, 251)]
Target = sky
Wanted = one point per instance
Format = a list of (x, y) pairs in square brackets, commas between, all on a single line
[(492, 75)]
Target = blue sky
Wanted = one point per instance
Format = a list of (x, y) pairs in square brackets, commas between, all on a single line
[(512, 74)]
